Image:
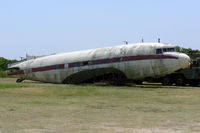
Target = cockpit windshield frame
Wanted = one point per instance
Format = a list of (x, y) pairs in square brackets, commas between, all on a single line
[(162, 50)]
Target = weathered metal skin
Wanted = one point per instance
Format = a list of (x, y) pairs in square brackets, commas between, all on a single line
[(132, 62)]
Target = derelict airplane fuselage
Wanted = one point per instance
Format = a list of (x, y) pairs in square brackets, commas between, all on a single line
[(120, 63)]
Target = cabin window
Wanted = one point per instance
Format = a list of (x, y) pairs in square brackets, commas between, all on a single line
[(76, 64), (85, 63), (57, 66), (158, 51), (95, 62), (106, 61)]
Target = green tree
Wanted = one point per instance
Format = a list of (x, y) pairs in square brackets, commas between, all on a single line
[(178, 49), (187, 50), (3, 66), (4, 63)]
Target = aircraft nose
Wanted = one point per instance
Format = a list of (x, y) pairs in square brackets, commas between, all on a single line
[(184, 60)]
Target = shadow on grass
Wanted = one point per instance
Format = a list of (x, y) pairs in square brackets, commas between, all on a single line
[(156, 86), (127, 86)]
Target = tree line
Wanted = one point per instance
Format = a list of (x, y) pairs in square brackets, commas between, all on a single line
[(188, 51), (4, 64)]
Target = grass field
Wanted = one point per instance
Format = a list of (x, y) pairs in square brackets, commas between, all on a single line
[(32, 107)]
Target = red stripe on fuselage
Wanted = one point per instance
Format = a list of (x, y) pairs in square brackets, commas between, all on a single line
[(46, 68), (147, 57), (121, 59)]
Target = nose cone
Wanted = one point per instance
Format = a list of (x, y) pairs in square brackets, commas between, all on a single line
[(184, 60)]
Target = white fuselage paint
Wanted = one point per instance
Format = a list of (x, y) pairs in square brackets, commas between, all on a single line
[(134, 69)]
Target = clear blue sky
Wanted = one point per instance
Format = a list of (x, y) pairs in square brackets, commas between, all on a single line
[(40, 27)]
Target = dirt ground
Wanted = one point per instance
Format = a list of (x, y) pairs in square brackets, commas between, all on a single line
[(33, 107)]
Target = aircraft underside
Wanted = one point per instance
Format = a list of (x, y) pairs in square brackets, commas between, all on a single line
[(112, 75)]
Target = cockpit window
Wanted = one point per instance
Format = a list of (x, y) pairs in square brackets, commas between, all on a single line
[(160, 51), (170, 49)]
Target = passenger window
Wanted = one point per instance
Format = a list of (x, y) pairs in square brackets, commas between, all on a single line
[(164, 50), (85, 63), (158, 51), (76, 64)]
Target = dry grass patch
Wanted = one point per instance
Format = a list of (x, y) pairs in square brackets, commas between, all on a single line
[(55, 108)]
